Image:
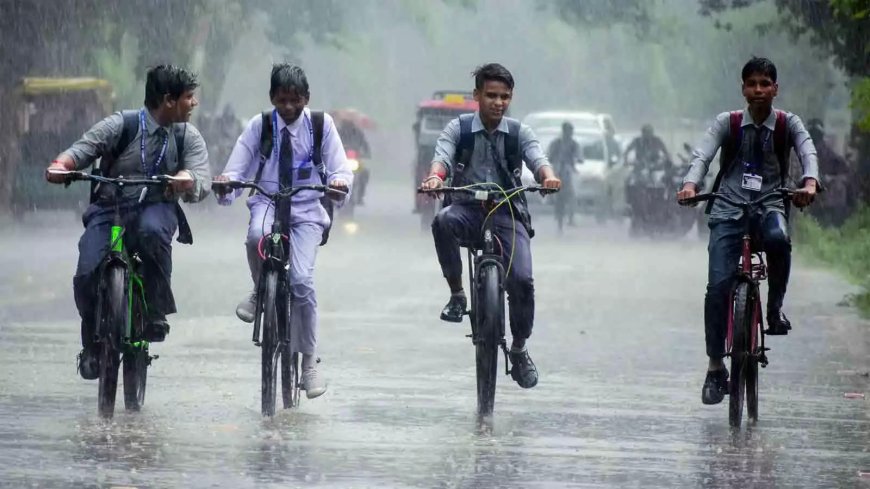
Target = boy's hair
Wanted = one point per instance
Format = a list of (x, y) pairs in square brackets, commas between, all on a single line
[(492, 72), (167, 79), (288, 77), (759, 66)]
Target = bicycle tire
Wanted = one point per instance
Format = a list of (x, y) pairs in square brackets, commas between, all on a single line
[(490, 321), (112, 318), (135, 359), (752, 365), (289, 378), (739, 357), (269, 343)]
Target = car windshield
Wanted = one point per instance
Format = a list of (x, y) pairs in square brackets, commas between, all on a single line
[(591, 144), (550, 121), (436, 121)]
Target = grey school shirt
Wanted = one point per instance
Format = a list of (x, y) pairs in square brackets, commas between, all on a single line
[(732, 182), (101, 139), (488, 151)]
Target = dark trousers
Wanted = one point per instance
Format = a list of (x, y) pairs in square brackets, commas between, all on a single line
[(462, 223), (725, 247), (149, 231)]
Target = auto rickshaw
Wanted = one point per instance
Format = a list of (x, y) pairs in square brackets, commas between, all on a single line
[(432, 116), (56, 112)]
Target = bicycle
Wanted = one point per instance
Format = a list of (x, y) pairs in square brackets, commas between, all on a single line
[(486, 275), (272, 328), (744, 340), (121, 305)]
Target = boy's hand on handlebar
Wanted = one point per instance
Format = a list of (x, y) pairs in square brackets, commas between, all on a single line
[(59, 165), (805, 196), (688, 191), (219, 189), (182, 182), (340, 188), (551, 183), (432, 182)]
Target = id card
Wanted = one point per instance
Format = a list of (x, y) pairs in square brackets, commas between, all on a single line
[(752, 182)]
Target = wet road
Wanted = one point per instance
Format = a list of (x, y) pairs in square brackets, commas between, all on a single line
[(618, 342)]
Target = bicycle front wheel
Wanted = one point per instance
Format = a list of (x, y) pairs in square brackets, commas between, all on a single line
[(490, 324), (269, 343), (112, 322), (740, 357), (136, 357)]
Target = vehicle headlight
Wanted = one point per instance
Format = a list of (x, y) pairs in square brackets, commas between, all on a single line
[(354, 164)]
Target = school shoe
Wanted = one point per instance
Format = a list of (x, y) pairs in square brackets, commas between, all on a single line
[(455, 309), (777, 323), (523, 370), (312, 383), (715, 386), (156, 330), (89, 362), (247, 308)]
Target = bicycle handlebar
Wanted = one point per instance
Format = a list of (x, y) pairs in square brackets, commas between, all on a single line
[(780, 192), (287, 192), (156, 180), (484, 193)]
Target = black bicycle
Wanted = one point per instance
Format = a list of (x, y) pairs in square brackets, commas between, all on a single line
[(744, 341), (486, 274), (121, 303), (272, 327)]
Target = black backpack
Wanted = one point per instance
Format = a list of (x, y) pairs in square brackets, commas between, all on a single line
[(129, 130), (512, 153), (317, 120)]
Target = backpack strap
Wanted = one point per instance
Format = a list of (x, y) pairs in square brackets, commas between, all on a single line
[(512, 152), (265, 146), (129, 129), (729, 150), (465, 148), (317, 120), (780, 143)]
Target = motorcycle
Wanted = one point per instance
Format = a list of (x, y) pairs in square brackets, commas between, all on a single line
[(361, 175), (649, 191)]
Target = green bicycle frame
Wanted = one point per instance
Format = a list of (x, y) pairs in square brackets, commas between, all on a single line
[(135, 280)]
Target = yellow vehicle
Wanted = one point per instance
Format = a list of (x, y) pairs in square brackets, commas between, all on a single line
[(54, 114)]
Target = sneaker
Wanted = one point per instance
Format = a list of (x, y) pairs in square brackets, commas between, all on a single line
[(156, 330), (89, 362), (312, 383), (777, 323), (455, 309), (715, 386), (247, 308), (523, 370)]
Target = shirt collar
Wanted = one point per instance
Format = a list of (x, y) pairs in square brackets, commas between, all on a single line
[(769, 123), (477, 124), (151, 124), (298, 122)]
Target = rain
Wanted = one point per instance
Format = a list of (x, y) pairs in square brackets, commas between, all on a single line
[(620, 269)]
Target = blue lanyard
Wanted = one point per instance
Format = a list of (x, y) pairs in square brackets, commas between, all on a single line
[(142, 131), (275, 136)]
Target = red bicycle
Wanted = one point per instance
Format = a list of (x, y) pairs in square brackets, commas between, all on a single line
[(744, 341)]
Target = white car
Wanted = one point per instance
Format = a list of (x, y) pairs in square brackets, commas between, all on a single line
[(598, 185), (582, 121)]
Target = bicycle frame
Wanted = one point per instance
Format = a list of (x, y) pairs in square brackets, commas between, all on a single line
[(752, 270), (477, 260)]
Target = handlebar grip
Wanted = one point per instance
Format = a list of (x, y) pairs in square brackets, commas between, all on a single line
[(696, 199)]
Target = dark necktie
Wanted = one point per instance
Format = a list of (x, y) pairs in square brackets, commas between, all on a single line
[(758, 149), (285, 160)]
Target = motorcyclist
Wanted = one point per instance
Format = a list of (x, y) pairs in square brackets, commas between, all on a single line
[(563, 153), (649, 150)]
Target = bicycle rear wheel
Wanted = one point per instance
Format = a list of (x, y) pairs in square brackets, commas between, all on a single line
[(112, 321), (752, 364), (739, 353), (136, 357), (490, 323), (269, 343)]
